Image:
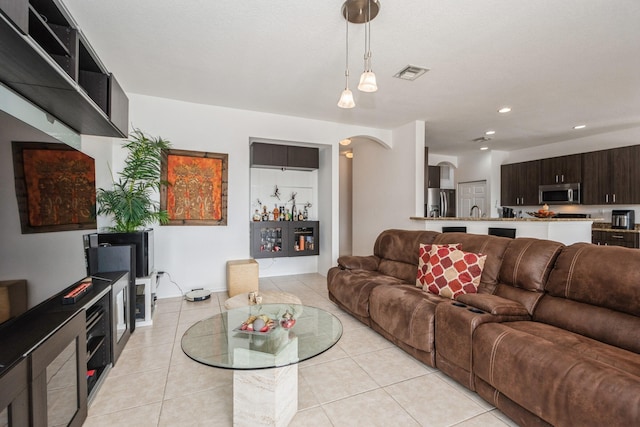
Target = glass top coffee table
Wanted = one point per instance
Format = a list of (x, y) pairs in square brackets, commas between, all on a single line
[(265, 377)]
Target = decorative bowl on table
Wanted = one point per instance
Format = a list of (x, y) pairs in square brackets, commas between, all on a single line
[(542, 214), (257, 325)]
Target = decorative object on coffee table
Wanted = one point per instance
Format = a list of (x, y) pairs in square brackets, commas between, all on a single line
[(268, 297)]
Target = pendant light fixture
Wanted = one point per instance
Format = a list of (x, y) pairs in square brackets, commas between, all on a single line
[(368, 77), (346, 99)]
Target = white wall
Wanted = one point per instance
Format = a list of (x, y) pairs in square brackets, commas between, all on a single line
[(346, 206), (49, 262), (387, 185), (196, 256)]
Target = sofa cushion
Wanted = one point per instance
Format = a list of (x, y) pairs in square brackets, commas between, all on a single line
[(553, 374), (424, 255), (453, 272), (351, 288), (491, 246), (606, 276), (407, 313), (398, 252)]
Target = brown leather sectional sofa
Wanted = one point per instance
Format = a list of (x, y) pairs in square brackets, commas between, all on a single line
[(551, 338)]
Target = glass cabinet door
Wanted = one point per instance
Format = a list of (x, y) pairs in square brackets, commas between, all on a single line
[(268, 239)]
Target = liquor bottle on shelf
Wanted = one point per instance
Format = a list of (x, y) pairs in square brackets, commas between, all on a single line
[(282, 217), (265, 215), (287, 215), (276, 213), (256, 216), (294, 213)]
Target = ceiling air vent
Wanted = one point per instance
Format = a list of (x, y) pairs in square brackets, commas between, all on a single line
[(481, 139), (410, 72)]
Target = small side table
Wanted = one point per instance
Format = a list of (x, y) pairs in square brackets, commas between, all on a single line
[(242, 276)]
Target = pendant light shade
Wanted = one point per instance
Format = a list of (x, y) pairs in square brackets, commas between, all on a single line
[(346, 99), (368, 77), (368, 82)]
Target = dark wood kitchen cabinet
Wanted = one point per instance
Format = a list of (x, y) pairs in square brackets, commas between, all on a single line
[(611, 176), (433, 177), (616, 238), (519, 183), (561, 170), (277, 156)]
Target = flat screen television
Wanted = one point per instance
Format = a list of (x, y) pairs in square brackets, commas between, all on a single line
[(143, 240)]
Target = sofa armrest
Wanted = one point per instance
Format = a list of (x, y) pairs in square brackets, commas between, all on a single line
[(494, 304), (352, 262)]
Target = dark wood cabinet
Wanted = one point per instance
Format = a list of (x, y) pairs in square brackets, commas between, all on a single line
[(274, 239), (279, 156), (615, 238), (268, 155), (14, 395), (49, 62), (611, 176), (58, 376), (433, 177), (560, 170), (302, 158), (519, 183)]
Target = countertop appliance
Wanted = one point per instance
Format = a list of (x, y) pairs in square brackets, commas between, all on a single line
[(623, 219), (508, 213), (559, 194)]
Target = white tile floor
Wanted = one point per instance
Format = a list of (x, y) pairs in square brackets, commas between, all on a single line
[(363, 380)]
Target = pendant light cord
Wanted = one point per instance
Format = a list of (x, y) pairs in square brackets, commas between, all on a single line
[(367, 39), (346, 71)]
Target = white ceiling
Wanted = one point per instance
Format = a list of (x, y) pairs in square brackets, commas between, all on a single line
[(556, 63)]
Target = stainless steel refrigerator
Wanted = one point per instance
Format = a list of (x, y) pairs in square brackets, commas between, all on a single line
[(440, 202)]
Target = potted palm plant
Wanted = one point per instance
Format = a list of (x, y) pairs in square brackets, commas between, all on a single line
[(130, 200)]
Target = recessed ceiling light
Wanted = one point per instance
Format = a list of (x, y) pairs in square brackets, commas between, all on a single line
[(345, 141), (490, 132), (348, 155), (504, 110), (484, 148), (580, 126)]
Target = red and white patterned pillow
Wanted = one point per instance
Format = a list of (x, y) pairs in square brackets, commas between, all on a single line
[(423, 260), (453, 272)]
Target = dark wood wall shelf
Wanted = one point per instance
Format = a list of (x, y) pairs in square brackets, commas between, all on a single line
[(48, 61), (275, 239)]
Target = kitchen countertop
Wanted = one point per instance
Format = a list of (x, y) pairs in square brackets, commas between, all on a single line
[(606, 226)]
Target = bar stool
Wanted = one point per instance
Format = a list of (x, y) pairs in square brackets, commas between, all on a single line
[(454, 229), (503, 232)]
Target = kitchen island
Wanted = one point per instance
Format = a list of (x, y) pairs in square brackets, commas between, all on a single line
[(563, 230)]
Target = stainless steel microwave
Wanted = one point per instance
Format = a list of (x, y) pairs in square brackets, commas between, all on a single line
[(559, 194)]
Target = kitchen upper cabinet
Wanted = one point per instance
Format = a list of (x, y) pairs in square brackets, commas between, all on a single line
[(560, 170), (519, 183), (433, 177), (610, 176), (276, 156)]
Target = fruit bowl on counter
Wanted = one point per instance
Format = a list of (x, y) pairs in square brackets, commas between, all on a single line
[(542, 214)]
